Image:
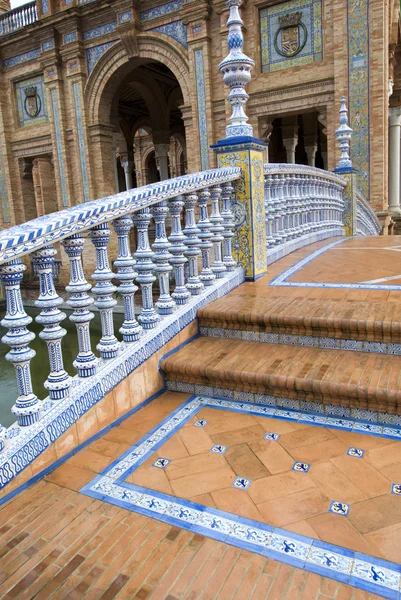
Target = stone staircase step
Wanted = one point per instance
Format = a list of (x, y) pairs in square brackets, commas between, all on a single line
[(318, 317), (351, 379)]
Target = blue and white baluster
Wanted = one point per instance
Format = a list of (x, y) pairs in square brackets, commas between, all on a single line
[(125, 265), (104, 290), (27, 405), (2, 437), (207, 275), (282, 210), (59, 382), (194, 284), (218, 267), (165, 304), (181, 294), (228, 223), (269, 206), (79, 301), (144, 255)]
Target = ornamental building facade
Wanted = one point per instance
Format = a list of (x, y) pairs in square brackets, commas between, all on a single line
[(98, 96)]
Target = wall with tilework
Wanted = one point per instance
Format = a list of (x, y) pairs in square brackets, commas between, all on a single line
[(40, 114)]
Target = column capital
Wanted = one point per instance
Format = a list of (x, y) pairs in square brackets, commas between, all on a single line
[(394, 116)]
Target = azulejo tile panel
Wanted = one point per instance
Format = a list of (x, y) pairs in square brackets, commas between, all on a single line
[(291, 34), (163, 9), (81, 139), (95, 52), (25, 444), (31, 101), (360, 570), (21, 58), (359, 75), (60, 154), (176, 30), (99, 31), (4, 200), (201, 101)]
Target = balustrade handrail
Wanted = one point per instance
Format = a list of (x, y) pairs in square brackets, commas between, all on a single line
[(367, 206), (23, 239), (18, 18), (283, 168)]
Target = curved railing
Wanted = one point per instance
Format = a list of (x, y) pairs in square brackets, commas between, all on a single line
[(367, 221), (303, 205), (169, 257), (16, 19)]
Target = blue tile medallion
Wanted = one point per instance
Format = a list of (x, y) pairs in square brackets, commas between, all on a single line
[(218, 449), (201, 423), (301, 467), (241, 483), (396, 489), (272, 437), (339, 508), (161, 463), (356, 452)]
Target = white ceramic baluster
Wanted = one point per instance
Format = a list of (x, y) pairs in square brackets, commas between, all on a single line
[(27, 405), (104, 291), (207, 275), (177, 249), (228, 223), (191, 231), (79, 301), (218, 267), (59, 382), (144, 255), (125, 265), (165, 304)]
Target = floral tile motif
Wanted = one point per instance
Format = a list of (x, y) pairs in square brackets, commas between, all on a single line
[(241, 483), (356, 452), (301, 467), (218, 449), (396, 489), (339, 508), (161, 463), (272, 437), (200, 423)]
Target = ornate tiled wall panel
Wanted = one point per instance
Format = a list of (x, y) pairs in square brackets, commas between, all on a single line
[(81, 140), (358, 73), (21, 58), (4, 201), (99, 31), (291, 34), (176, 30), (158, 11), (60, 155), (93, 54), (31, 101), (201, 100)]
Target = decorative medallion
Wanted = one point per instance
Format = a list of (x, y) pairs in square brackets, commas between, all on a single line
[(339, 508), (200, 423), (33, 103), (239, 212), (396, 489), (217, 449), (301, 467), (241, 483), (291, 36), (356, 452), (272, 437), (161, 463)]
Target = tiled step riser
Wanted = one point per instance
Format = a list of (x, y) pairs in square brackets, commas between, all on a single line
[(195, 385), (335, 343)]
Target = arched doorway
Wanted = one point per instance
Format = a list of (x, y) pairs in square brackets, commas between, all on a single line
[(135, 98)]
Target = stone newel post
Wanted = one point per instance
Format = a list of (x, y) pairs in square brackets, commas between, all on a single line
[(241, 149)]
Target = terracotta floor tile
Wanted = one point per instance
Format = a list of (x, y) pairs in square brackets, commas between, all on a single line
[(302, 528), (376, 513), (239, 436), (70, 477), (90, 460), (319, 452), (338, 530), (392, 472), (272, 455), (237, 502), (151, 477), (387, 542), (297, 507), (193, 485), (204, 499), (357, 440), (108, 448), (174, 448), (222, 421), (363, 475), (192, 465), (335, 484), (195, 440), (310, 435), (279, 425), (384, 455), (245, 463), (278, 486)]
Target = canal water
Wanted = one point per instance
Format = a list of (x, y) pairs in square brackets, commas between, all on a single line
[(40, 364)]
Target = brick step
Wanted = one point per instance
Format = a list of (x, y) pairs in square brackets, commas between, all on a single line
[(328, 318), (351, 379)]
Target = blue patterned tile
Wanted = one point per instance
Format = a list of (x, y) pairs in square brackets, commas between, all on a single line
[(339, 508), (356, 452), (272, 437), (201, 423), (301, 467), (161, 463), (396, 489), (176, 30), (241, 483), (217, 449), (163, 9)]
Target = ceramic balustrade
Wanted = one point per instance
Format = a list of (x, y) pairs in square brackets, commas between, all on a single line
[(301, 202), (366, 219), (179, 264)]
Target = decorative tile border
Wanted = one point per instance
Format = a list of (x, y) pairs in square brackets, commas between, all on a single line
[(81, 140), (24, 445), (302, 340), (99, 31), (277, 252), (4, 199), (158, 11), (60, 154), (356, 569), (94, 53), (176, 30), (282, 279), (201, 101), (21, 58)]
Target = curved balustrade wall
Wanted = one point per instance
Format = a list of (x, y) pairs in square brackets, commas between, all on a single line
[(162, 282), (366, 219), (303, 205)]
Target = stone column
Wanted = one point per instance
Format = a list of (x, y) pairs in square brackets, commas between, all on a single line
[(161, 155), (290, 138), (127, 165), (394, 159)]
